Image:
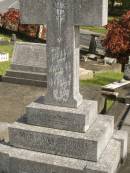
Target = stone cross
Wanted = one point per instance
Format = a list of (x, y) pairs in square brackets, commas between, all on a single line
[(63, 18)]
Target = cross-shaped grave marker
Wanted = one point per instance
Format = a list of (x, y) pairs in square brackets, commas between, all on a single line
[(63, 18)]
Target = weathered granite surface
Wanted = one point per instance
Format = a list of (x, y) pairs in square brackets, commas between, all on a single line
[(28, 65), (20, 160), (29, 57), (63, 18), (122, 136), (127, 72), (57, 117), (84, 146), (63, 43)]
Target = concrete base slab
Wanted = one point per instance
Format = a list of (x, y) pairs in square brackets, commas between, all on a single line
[(25, 77), (86, 74), (4, 135), (21, 161), (122, 136)]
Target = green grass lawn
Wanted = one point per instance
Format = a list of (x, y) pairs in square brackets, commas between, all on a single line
[(3, 67), (7, 49), (101, 30), (103, 78), (5, 37)]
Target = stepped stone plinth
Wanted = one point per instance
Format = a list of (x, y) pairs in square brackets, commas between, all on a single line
[(62, 132)]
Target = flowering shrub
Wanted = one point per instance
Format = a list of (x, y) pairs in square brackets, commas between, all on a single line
[(117, 41), (11, 21)]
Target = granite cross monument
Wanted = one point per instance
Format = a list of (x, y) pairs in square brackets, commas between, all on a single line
[(63, 132), (63, 18)]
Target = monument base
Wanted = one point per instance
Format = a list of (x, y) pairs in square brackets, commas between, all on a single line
[(52, 139), (21, 161), (25, 78), (64, 118)]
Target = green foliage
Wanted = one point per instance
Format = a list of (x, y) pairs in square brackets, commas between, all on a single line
[(7, 49), (117, 41), (103, 78), (109, 104), (126, 4)]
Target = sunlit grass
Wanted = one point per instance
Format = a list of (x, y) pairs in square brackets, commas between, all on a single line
[(7, 49), (3, 67), (103, 78), (101, 30)]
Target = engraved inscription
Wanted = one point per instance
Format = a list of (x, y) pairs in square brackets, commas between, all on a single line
[(50, 143), (60, 71)]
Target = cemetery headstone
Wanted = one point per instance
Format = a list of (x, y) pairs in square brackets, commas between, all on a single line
[(93, 44), (13, 38), (127, 71), (110, 61), (28, 64), (63, 132)]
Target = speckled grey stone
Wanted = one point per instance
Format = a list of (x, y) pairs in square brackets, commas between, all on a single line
[(4, 162), (122, 136), (127, 72), (73, 119), (25, 161), (28, 65), (63, 19), (63, 112), (85, 12), (84, 146), (29, 57)]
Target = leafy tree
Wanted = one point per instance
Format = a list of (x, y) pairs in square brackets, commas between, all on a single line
[(117, 41), (11, 21)]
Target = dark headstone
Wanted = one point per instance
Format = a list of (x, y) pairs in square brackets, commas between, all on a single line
[(127, 72)]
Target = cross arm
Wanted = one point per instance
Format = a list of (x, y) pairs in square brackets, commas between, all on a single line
[(33, 11), (90, 12)]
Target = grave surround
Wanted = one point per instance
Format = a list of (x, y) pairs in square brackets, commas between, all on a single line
[(87, 145)]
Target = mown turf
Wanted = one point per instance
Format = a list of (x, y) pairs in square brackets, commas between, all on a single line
[(103, 78), (3, 67)]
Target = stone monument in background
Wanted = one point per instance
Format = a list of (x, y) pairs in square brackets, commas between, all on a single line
[(127, 70), (28, 65), (61, 132)]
